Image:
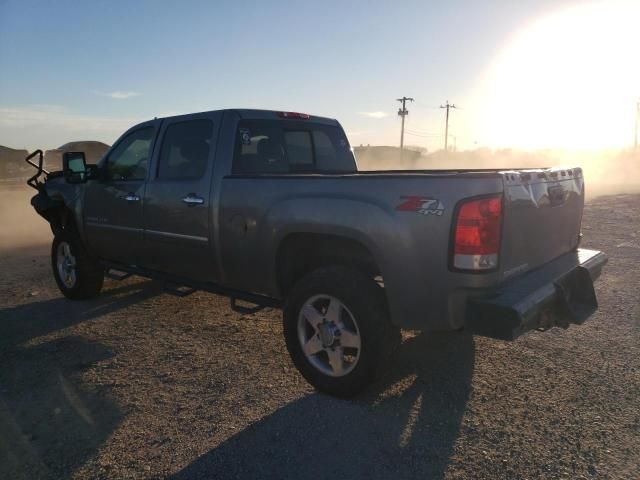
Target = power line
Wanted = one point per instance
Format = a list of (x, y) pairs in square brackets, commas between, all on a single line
[(446, 127), (403, 112), (428, 107), (422, 132), (420, 135), (419, 130)]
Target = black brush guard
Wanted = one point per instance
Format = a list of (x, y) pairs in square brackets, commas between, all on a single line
[(558, 294), (34, 181)]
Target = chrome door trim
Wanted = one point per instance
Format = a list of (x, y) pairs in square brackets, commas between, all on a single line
[(180, 236), (112, 227)]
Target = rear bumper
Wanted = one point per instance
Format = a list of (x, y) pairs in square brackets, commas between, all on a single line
[(558, 294)]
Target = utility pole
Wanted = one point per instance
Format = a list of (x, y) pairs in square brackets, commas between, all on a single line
[(403, 112), (635, 142), (446, 127), (455, 142)]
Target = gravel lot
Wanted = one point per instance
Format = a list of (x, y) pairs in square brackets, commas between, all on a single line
[(138, 383)]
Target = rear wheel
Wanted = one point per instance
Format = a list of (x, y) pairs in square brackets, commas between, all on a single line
[(77, 274), (337, 330)]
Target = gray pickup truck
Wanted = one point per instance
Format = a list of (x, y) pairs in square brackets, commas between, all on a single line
[(269, 209)]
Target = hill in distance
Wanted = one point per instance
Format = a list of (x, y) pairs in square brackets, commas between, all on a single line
[(11, 161), (12, 164), (92, 149)]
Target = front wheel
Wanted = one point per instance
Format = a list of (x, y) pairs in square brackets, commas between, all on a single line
[(337, 330), (77, 274)]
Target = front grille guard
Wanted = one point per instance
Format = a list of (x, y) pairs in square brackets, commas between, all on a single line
[(34, 181)]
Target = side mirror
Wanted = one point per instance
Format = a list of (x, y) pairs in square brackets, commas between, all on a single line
[(74, 167)]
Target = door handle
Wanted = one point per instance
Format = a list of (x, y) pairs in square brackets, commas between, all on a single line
[(130, 197), (193, 199)]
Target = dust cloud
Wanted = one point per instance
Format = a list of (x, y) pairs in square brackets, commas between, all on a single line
[(20, 226), (606, 172)]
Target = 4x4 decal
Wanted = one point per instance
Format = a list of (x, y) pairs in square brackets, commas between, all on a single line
[(422, 205)]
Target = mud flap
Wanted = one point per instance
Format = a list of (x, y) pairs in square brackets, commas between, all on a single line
[(556, 295), (576, 296)]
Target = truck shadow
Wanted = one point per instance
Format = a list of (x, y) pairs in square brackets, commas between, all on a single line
[(406, 427), (50, 421), (25, 322)]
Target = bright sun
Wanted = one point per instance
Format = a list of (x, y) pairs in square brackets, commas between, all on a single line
[(569, 80)]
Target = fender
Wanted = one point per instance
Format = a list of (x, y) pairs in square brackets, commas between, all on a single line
[(369, 224), (56, 194)]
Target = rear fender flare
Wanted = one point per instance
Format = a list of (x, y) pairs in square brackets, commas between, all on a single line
[(369, 224)]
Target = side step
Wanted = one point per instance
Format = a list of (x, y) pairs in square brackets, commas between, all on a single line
[(114, 274), (182, 287), (177, 290), (245, 310)]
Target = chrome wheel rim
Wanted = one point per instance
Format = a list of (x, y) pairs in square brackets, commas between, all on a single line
[(66, 264), (329, 335)]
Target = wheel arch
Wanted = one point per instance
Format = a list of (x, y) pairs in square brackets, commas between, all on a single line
[(60, 218), (303, 252), (61, 206)]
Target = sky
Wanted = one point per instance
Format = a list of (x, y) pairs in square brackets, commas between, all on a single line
[(527, 74)]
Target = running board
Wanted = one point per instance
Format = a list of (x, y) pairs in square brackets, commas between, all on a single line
[(184, 286), (177, 290), (118, 275), (245, 310)]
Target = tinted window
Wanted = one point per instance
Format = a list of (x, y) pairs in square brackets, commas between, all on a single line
[(333, 153), (263, 147), (259, 148), (129, 159), (299, 150), (325, 151), (185, 149)]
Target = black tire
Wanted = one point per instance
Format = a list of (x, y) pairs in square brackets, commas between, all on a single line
[(364, 299), (89, 275)]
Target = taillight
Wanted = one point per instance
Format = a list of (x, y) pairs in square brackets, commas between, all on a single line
[(477, 234), (296, 115)]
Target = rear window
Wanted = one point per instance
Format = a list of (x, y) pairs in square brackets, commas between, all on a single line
[(266, 146), (259, 149), (299, 150)]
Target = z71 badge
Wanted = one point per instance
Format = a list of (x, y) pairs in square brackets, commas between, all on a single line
[(422, 205)]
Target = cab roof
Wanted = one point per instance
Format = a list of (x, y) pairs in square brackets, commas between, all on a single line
[(257, 114)]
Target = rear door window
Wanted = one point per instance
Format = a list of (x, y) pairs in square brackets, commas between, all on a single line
[(185, 150)]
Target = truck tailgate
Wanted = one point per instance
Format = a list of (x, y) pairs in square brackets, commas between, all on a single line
[(542, 217)]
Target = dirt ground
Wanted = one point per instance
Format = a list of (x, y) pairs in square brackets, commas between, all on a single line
[(141, 384)]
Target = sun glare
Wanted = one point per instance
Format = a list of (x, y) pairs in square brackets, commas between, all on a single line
[(569, 80)]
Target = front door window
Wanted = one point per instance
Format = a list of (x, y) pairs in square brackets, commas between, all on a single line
[(130, 158)]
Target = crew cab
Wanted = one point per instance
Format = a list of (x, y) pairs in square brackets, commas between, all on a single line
[(269, 209)]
